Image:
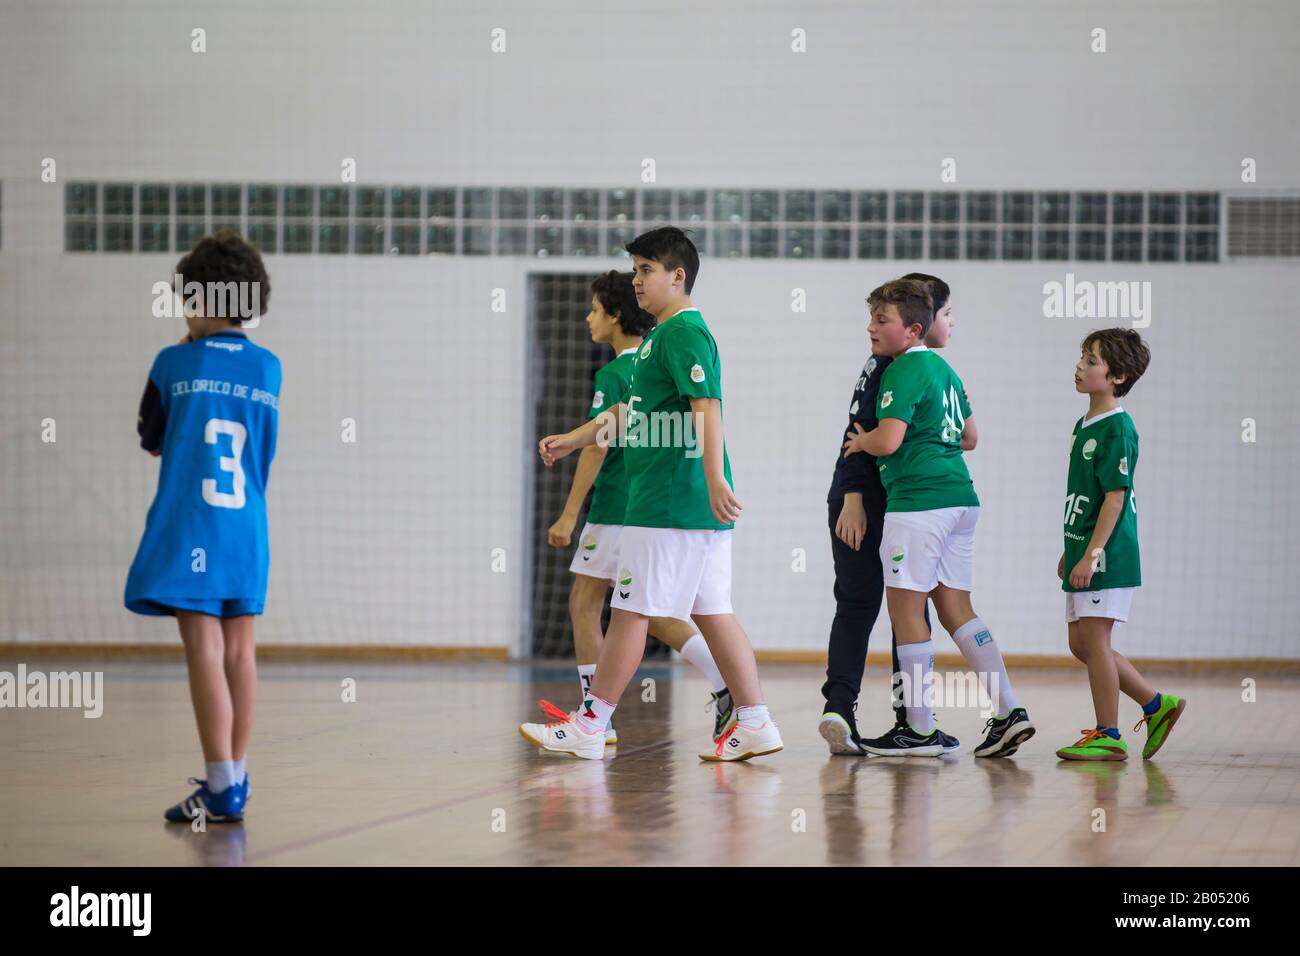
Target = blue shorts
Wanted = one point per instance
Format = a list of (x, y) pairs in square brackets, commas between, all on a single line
[(216, 607)]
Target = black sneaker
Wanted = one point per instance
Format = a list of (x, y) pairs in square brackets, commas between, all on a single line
[(1006, 734), (950, 743), (723, 712), (840, 730), (903, 741)]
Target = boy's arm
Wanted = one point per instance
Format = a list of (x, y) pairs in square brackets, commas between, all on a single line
[(561, 533), (969, 436), (708, 414), (1111, 508), (608, 425), (151, 422), (881, 442)]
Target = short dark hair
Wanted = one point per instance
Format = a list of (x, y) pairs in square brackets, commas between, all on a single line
[(672, 248), (613, 289), (225, 257), (1124, 353), (912, 298), (939, 290)]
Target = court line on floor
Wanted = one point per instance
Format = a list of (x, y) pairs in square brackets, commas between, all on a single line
[(319, 838)]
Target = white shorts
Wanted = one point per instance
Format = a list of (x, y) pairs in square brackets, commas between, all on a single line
[(920, 549), (673, 572), (597, 552), (1113, 603)]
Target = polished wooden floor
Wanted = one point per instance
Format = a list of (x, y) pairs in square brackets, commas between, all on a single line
[(426, 768)]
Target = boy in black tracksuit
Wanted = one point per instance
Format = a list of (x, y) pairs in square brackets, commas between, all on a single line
[(856, 505)]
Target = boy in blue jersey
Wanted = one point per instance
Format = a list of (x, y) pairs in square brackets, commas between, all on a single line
[(210, 410)]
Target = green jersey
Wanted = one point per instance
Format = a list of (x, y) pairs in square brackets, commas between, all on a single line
[(609, 491), (677, 361), (927, 471), (1103, 457)]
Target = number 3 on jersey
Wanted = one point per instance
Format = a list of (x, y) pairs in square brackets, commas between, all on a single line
[(231, 465)]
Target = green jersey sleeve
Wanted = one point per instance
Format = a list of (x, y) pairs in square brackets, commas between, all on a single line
[(609, 392), (691, 360), (1114, 460), (900, 392)]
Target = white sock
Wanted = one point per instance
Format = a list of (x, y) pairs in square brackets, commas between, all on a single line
[(916, 664), (981, 652), (241, 770), (586, 673), (221, 776), (594, 714), (696, 650), (753, 716)]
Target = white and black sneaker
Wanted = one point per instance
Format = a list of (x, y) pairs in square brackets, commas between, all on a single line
[(840, 731), (1006, 734), (903, 741)]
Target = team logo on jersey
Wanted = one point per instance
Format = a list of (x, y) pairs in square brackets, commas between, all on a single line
[(645, 349), (1123, 465), (589, 543), (869, 367), (887, 399), (1089, 447), (697, 374), (598, 399)]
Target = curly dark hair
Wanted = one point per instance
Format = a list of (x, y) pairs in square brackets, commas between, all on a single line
[(670, 247), (1124, 353), (222, 258), (614, 291), (915, 304)]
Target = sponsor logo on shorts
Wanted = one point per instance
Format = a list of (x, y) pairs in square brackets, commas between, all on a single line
[(1096, 600), (589, 542), (625, 577), (1089, 447), (897, 558), (697, 374)]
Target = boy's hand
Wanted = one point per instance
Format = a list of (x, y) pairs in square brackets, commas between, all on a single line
[(1060, 568), (1081, 576), (851, 527), (853, 444), (723, 503), (561, 533), (553, 447)]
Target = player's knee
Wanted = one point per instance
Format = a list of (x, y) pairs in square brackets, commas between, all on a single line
[(585, 600)]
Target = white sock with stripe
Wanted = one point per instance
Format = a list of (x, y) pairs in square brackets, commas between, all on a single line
[(221, 776)]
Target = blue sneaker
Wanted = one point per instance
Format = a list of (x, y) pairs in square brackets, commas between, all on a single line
[(247, 792), (224, 807)]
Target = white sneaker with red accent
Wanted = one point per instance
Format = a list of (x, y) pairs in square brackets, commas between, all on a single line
[(741, 743), (563, 735)]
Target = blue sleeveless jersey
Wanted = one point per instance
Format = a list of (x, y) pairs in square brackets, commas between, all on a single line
[(212, 408)]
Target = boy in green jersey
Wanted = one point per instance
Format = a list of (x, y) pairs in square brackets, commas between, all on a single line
[(675, 549), (616, 320), (928, 537), (1100, 567)]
